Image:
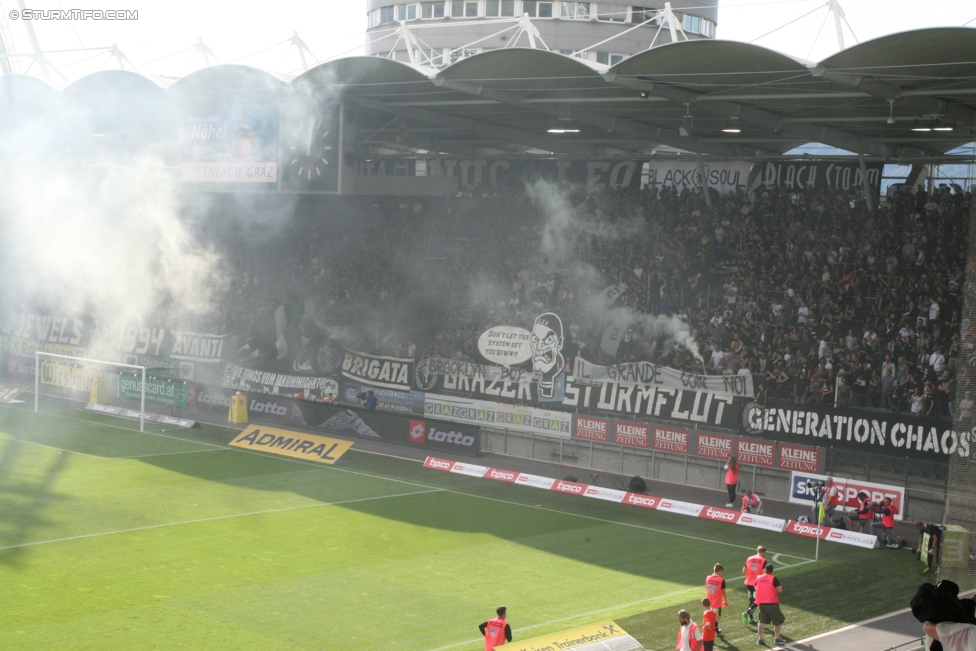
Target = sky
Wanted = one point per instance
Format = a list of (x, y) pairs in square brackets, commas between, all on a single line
[(161, 42)]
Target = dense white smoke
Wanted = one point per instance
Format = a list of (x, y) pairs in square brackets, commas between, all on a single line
[(563, 232), (108, 241)]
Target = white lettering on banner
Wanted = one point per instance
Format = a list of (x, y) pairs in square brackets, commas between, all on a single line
[(568, 487), (608, 494), (903, 434), (637, 499), (481, 412), (194, 347), (682, 508), (671, 440), (438, 464), (135, 340), (713, 446), (50, 329), (469, 469), (592, 429), (535, 481), (648, 374), (756, 453), (802, 491), (631, 434), (806, 529), (792, 457), (724, 177), (389, 372), (722, 515), (761, 522), (502, 475)]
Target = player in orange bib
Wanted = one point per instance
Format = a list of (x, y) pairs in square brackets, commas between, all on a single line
[(496, 631), (753, 568), (709, 625), (715, 591)]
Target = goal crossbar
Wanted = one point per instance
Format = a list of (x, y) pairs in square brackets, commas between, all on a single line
[(37, 379)]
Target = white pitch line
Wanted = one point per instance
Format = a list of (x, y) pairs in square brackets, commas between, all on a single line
[(166, 454), (51, 447), (217, 517), (617, 607), (448, 490)]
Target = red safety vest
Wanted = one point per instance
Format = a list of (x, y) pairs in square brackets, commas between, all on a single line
[(748, 502), (732, 476), (889, 520), (714, 591), (692, 642), (765, 590), (494, 633), (754, 567), (710, 617)]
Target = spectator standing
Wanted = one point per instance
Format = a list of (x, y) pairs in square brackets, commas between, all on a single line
[(768, 590), (731, 479), (369, 402), (931, 550)]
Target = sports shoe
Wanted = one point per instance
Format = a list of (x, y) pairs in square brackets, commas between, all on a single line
[(729, 505), (718, 631), (759, 641), (745, 617), (753, 621), (926, 570), (779, 640)]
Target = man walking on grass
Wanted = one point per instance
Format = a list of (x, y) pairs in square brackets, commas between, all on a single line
[(752, 570), (768, 590), (689, 635)]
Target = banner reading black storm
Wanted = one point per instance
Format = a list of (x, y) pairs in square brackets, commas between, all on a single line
[(854, 429), (814, 175)]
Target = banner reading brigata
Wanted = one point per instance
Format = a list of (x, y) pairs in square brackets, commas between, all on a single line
[(842, 427), (231, 146), (378, 370)]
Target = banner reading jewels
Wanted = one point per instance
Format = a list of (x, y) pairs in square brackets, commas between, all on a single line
[(647, 374), (248, 379), (840, 427)]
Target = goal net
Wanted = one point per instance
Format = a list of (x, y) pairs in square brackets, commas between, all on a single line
[(63, 377)]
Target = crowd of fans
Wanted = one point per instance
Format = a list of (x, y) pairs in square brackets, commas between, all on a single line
[(815, 296)]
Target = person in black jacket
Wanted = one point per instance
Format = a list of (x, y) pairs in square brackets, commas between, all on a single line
[(935, 542)]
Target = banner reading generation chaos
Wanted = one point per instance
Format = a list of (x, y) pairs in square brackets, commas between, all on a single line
[(841, 427)]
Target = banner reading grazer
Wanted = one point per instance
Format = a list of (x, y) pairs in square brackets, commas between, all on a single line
[(292, 444), (841, 427), (311, 388), (388, 372), (647, 374)]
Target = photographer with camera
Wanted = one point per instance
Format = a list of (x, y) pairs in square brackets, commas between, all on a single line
[(863, 514), (825, 499), (368, 400)]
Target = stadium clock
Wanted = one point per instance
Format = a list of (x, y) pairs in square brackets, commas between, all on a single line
[(311, 153)]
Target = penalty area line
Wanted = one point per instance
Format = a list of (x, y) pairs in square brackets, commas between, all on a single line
[(216, 517)]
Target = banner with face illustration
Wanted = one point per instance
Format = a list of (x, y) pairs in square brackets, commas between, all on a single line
[(546, 342)]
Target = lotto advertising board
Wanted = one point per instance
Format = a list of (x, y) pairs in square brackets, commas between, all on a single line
[(802, 491), (406, 429)]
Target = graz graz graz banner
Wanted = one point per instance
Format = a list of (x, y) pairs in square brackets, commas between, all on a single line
[(649, 375), (310, 388), (882, 432)]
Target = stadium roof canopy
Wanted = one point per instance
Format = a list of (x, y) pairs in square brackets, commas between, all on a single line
[(905, 97)]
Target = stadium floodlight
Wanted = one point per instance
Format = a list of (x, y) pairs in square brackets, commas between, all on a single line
[(81, 361)]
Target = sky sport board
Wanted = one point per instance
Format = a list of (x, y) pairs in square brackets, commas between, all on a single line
[(111, 536)]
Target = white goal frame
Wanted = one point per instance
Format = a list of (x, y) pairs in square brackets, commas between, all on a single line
[(37, 379)]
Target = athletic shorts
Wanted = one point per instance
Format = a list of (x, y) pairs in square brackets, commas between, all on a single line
[(751, 589), (771, 614), (708, 645)]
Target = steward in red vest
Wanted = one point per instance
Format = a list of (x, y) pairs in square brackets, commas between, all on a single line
[(496, 631), (689, 635), (767, 596)]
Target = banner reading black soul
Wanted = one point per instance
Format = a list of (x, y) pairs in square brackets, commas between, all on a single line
[(339, 419), (853, 429)]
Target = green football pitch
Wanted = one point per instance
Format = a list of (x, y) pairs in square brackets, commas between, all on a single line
[(115, 539)]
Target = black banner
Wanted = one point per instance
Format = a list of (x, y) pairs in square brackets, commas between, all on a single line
[(679, 405), (814, 175), (855, 429)]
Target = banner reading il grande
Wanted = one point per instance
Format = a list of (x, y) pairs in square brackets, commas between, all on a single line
[(231, 146)]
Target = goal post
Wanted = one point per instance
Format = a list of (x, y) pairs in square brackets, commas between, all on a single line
[(82, 361)]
